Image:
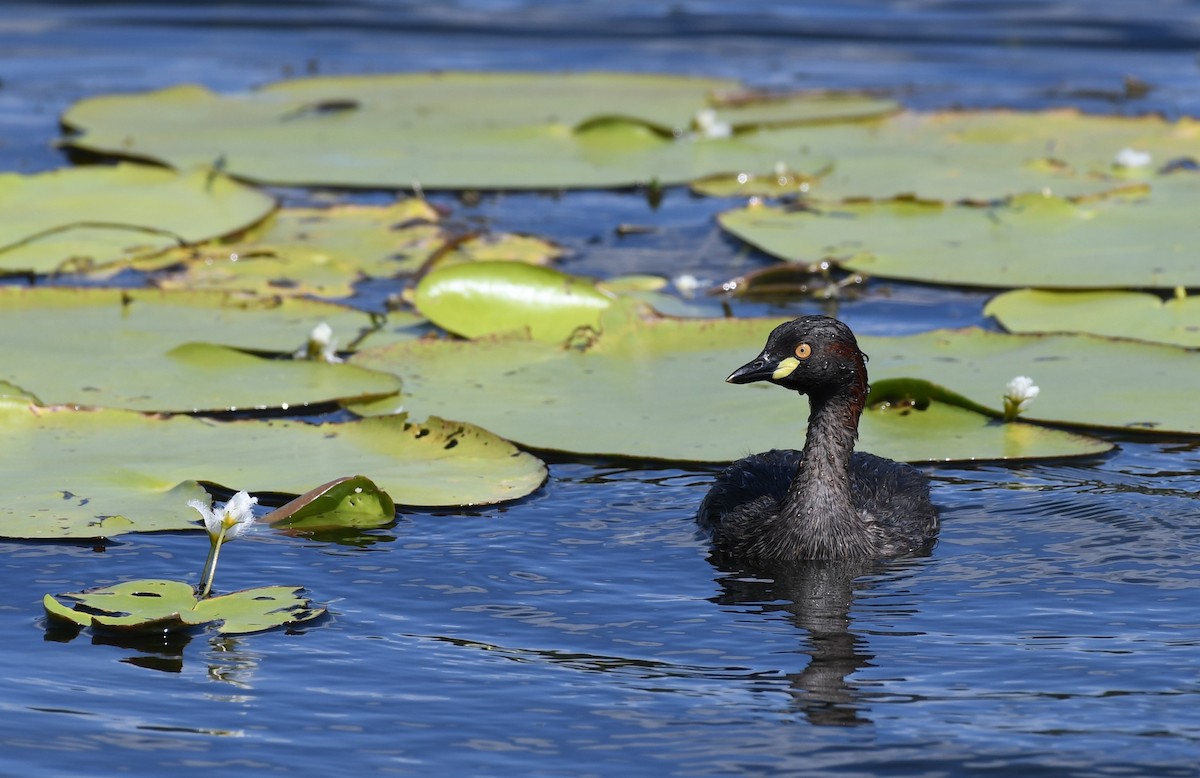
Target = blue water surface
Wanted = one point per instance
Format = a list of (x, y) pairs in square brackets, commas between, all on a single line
[(585, 631)]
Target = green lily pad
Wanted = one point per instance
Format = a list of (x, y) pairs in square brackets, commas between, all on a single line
[(1137, 239), (90, 474), (486, 298), (464, 130), (1136, 315), (350, 501), (156, 605), (973, 156), (654, 388), (134, 349), (1085, 380), (326, 252), (79, 218)]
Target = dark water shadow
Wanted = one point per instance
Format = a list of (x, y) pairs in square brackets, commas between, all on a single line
[(817, 597)]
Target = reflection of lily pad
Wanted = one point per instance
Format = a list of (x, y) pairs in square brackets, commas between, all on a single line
[(87, 474), (78, 218), (166, 606), (485, 298), (351, 501), (132, 349), (979, 156), (461, 130), (656, 389), (1135, 240), (1136, 315)]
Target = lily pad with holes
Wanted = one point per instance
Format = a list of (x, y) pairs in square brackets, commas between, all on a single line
[(350, 501), (139, 350), (654, 388), (1139, 239), (79, 218), (1135, 315), (156, 605), (90, 474), (465, 130), (488, 298)]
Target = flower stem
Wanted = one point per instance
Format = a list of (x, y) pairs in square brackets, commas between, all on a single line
[(210, 564)]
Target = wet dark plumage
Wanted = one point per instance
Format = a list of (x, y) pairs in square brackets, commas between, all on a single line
[(826, 501)]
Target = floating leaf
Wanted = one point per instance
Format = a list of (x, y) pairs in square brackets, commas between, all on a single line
[(79, 218), (351, 501), (156, 605), (134, 349), (974, 156), (1138, 239), (485, 298), (655, 389), (463, 130), (326, 252), (1136, 315), (89, 474), (1085, 380)]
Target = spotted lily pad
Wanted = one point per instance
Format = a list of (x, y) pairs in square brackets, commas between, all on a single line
[(350, 501), (464, 130), (89, 474), (487, 298), (1136, 315), (156, 605), (79, 218), (654, 388), (1141, 239), (141, 350)]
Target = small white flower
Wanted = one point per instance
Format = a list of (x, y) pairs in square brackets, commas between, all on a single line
[(1019, 394), (234, 518), (321, 347), (687, 284), (1132, 158), (707, 125)]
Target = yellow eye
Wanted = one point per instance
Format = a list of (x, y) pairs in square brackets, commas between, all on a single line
[(803, 351)]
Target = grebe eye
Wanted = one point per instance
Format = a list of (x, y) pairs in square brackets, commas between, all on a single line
[(803, 351)]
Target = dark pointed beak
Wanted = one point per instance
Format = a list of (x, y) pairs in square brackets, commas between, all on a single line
[(758, 369)]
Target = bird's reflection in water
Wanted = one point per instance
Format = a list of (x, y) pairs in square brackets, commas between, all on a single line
[(817, 596)]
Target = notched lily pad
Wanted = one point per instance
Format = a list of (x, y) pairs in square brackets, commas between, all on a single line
[(80, 218), (977, 157), (1138, 238), (1085, 381), (1134, 315), (138, 350), (466, 130), (351, 501), (326, 252), (103, 473), (654, 388), (156, 605)]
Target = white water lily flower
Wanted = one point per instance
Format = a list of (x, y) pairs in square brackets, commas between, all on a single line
[(321, 346), (1019, 394), (230, 521), (1132, 158), (708, 126), (223, 524)]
